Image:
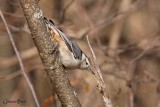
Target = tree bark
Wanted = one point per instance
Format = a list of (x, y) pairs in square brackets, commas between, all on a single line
[(52, 63)]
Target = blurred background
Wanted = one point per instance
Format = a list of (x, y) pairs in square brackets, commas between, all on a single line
[(123, 33)]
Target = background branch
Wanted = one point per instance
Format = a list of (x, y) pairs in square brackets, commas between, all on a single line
[(20, 61), (12, 61), (99, 79)]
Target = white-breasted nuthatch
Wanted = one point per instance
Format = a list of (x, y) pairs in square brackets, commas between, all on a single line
[(71, 55)]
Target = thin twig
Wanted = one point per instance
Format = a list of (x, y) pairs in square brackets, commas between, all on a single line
[(12, 61), (117, 29), (13, 15), (20, 61), (131, 97), (64, 11), (19, 72), (154, 44), (99, 78), (17, 29)]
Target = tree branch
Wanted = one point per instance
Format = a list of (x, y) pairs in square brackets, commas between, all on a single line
[(45, 43), (99, 79)]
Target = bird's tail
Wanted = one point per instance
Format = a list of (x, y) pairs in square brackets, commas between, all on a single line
[(51, 26)]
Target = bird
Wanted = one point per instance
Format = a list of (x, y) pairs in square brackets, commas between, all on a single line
[(71, 55)]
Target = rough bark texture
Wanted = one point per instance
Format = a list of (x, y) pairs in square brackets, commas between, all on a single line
[(51, 61)]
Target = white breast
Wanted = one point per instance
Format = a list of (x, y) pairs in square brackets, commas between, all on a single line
[(67, 57)]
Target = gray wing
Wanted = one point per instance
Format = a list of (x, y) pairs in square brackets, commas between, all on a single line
[(76, 50), (72, 46)]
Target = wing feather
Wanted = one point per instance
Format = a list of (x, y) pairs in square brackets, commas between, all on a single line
[(72, 46)]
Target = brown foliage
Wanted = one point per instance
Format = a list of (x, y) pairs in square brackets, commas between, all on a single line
[(124, 35)]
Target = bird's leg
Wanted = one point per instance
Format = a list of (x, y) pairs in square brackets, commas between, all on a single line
[(55, 48)]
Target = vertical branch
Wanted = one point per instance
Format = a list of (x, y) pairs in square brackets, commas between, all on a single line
[(117, 29), (64, 11), (131, 97), (99, 79), (51, 60), (57, 7), (20, 61)]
